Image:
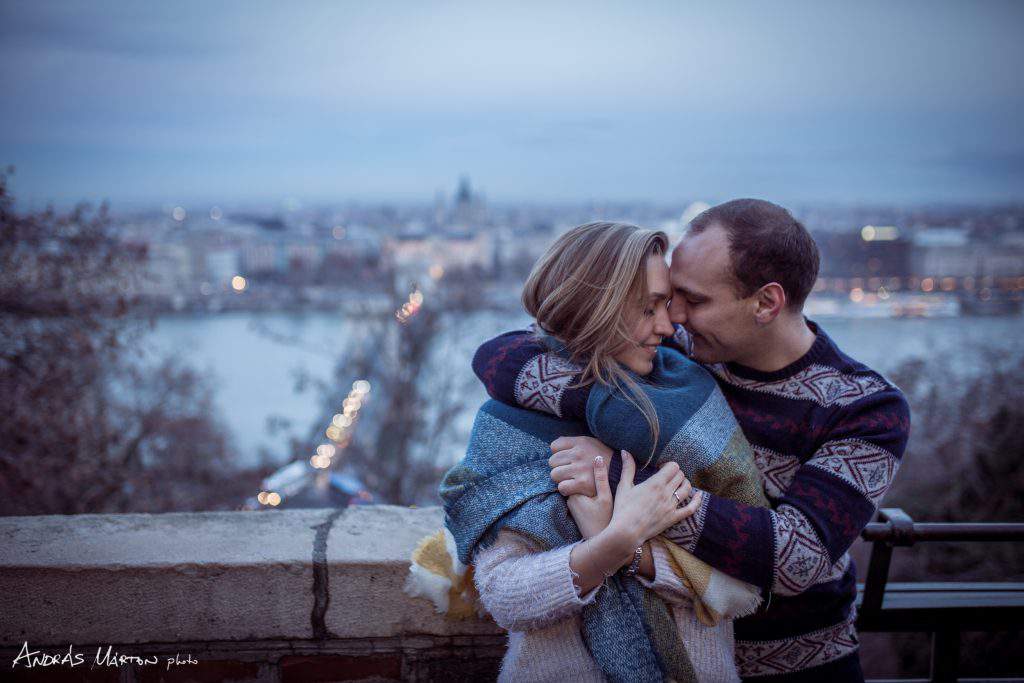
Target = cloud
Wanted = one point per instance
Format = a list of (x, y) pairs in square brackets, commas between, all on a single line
[(572, 98), (129, 30)]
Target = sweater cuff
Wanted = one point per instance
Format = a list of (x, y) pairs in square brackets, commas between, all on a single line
[(557, 573), (687, 532)]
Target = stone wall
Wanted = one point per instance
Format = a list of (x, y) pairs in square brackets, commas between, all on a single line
[(286, 595)]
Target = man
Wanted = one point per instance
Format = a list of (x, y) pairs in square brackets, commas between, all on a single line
[(827, 433)]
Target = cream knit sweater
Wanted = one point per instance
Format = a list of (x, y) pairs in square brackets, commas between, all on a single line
[(531, 594)]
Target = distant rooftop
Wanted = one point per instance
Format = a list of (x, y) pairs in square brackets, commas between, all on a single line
[(941, 237)]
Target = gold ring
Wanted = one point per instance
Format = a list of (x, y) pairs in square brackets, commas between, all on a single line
[(677, 498)]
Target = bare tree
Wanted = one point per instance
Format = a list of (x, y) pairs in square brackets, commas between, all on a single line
[(963, 459), (88, 425), (396, 446)]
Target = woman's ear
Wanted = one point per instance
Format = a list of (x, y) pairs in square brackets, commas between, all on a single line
[(769, 302)]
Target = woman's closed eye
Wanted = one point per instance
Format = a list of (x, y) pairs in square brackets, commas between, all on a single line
[(650, 311)]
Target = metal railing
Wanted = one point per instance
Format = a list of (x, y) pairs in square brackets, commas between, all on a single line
[(943, 609)]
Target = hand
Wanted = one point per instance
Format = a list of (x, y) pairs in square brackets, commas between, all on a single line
[(573, 463), (592, 513), (643, 511)]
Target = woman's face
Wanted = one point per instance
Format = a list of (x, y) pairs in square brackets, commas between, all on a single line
[(650, 322)]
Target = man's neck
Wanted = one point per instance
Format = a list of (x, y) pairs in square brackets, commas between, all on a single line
[(783, 344)]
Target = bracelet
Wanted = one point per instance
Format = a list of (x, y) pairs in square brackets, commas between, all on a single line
[(635, 564)]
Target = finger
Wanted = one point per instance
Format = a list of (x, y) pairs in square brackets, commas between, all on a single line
[(562, 473), (628, 472), (676, 482), (562, 443), (689, 509), (685, 489), (573, 487), (561, 458), (604, 490), (667, 470)]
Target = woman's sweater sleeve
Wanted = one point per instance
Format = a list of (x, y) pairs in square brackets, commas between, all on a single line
[(523, 589)]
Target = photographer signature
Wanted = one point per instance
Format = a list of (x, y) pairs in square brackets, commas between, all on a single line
[(31, 659)]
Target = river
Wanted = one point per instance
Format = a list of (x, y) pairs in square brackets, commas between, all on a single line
[(252, 359)]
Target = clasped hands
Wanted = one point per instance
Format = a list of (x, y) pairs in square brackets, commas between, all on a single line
[(637, 513)]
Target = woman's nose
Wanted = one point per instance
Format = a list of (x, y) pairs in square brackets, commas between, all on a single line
[(663, 324)]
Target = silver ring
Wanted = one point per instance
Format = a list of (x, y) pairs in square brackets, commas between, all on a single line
[(677, 498)]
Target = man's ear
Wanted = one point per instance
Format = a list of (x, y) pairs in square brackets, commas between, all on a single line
[(769, 301)]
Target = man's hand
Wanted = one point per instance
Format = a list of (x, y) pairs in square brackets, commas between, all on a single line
[(592, 514), (572, 464)]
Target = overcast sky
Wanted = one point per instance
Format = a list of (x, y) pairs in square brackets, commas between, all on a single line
[(236, 101)]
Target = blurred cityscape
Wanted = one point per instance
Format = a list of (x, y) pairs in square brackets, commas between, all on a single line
[(877, 261), (248, 338)]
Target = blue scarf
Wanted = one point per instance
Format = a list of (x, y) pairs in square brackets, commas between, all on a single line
[(504, 482)]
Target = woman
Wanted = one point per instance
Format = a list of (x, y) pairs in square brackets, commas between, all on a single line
[(599, 296)]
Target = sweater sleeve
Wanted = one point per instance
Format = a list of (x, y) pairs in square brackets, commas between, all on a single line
[(518, 369), (523, 589), (832, 497)]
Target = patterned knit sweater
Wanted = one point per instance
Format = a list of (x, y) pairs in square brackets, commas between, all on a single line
[(828, 434)]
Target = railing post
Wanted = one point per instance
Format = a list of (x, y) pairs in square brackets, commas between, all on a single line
[(901, 533), (945, 656), (878, 576)]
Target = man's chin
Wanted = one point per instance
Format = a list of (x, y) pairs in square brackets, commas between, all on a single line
[(702, 354), (702, 358)]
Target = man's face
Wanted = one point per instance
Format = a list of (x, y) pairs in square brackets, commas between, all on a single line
[(705, 299)]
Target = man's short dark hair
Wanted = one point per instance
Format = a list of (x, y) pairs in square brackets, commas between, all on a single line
[(766, 244)]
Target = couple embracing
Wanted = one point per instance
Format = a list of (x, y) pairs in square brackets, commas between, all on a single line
[(674, 461)]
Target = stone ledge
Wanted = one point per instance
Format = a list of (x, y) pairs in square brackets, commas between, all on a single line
[(288, 576)]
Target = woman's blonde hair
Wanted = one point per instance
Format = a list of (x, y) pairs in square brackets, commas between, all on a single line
[(581, 292)]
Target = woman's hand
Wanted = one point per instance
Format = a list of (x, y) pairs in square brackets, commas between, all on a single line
[(572, 463), (592, 513), (643, 511)]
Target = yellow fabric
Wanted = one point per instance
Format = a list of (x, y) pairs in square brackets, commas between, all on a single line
[(432, 555), (695, 574)]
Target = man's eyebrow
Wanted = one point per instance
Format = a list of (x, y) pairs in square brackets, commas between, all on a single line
[(689, 293)]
